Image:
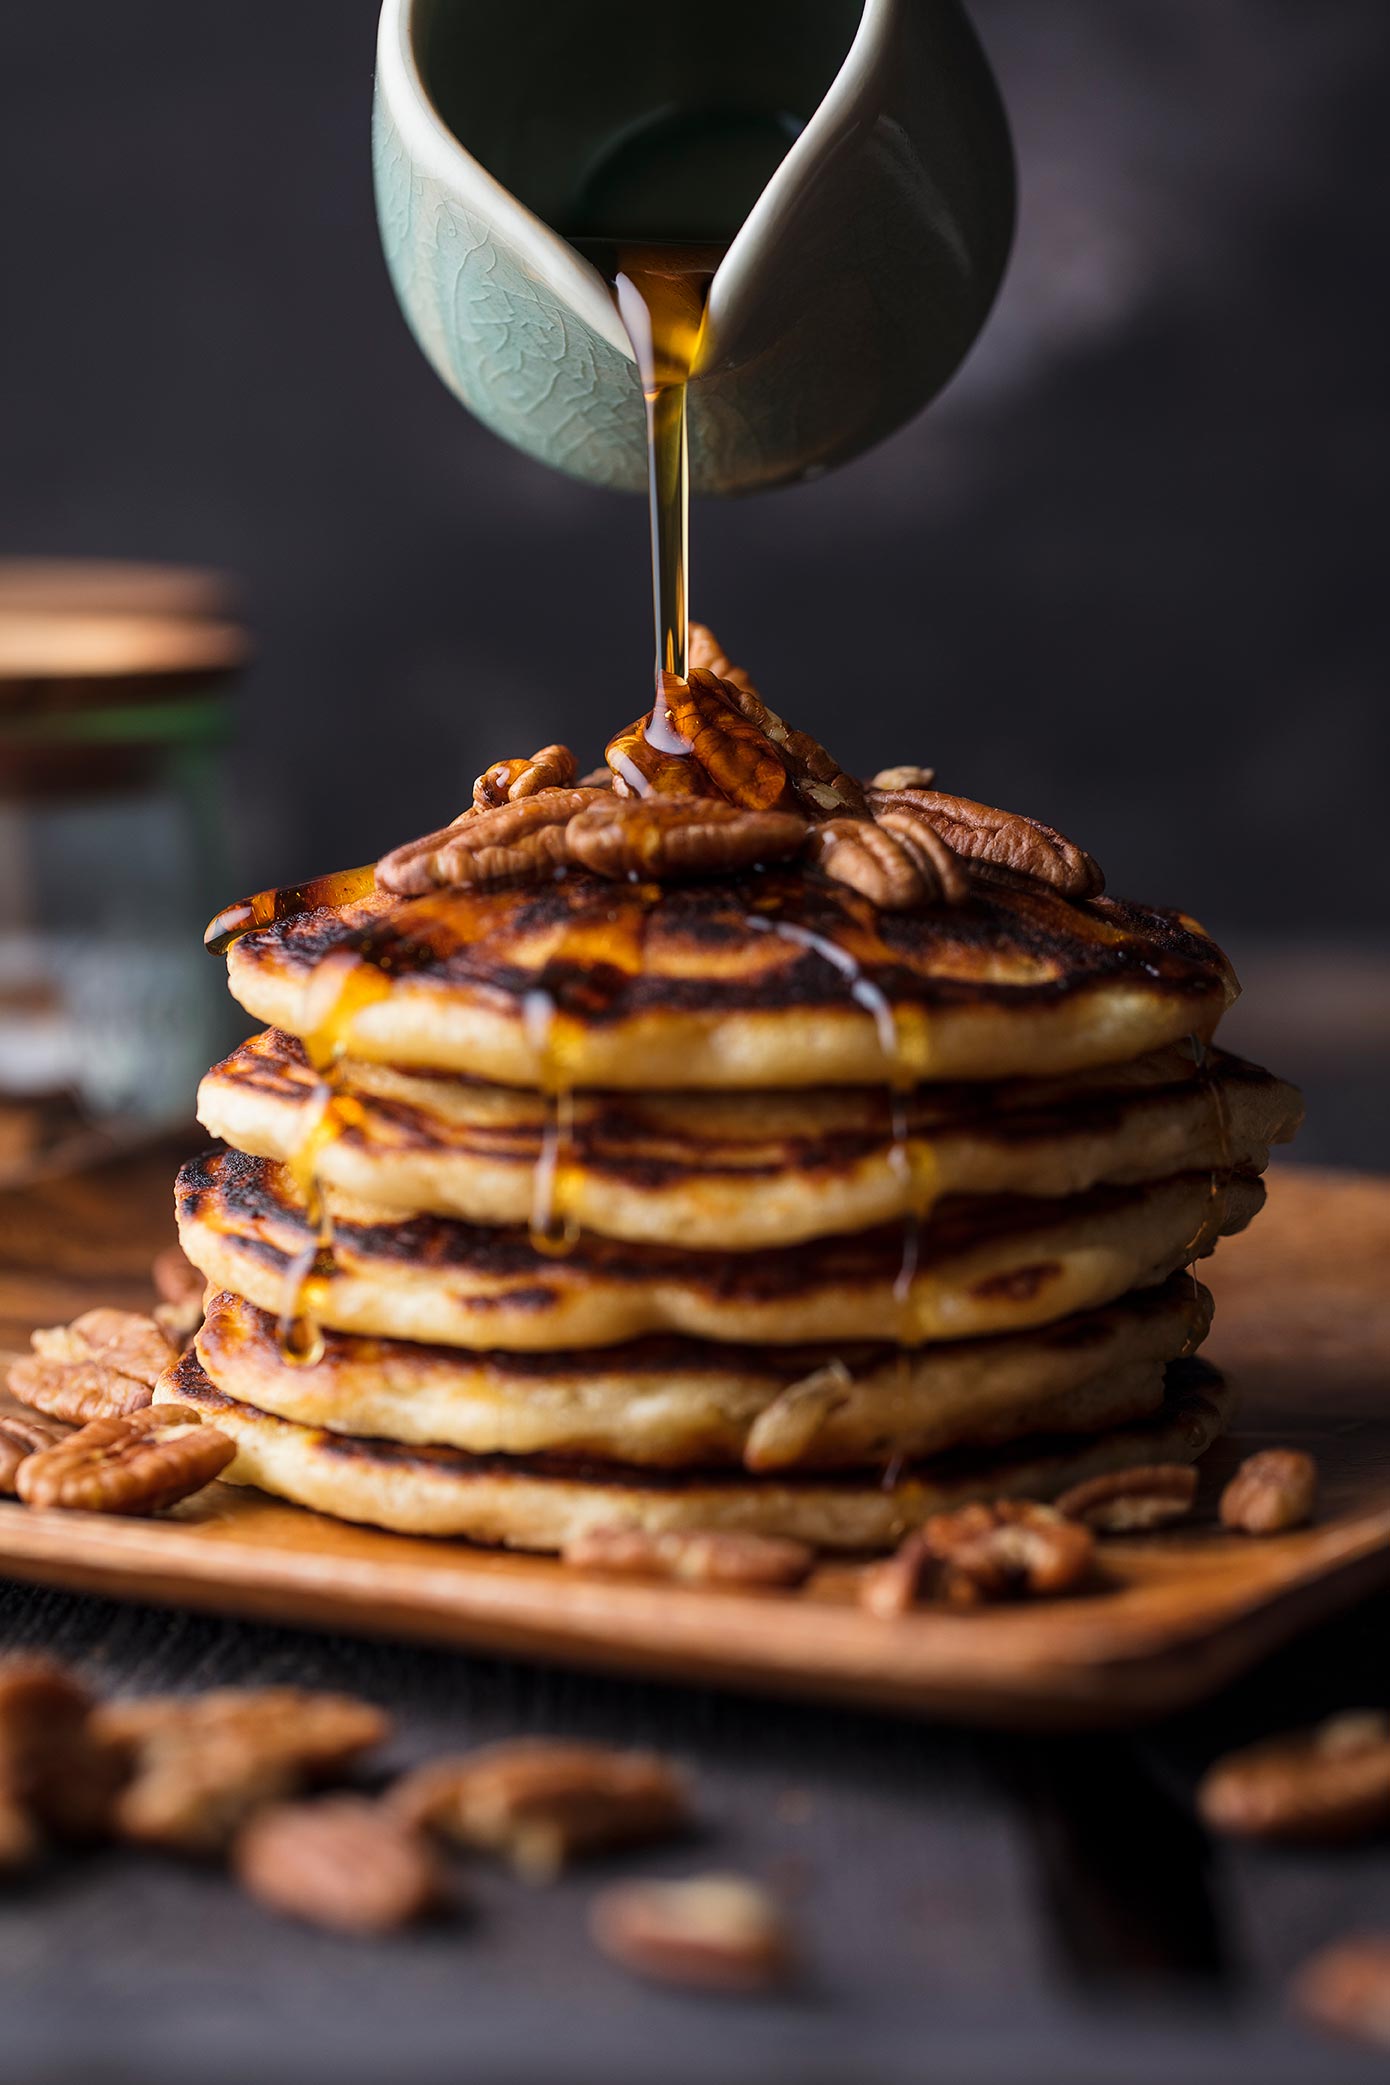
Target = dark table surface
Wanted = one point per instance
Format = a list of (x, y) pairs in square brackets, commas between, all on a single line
[(971, 1906)]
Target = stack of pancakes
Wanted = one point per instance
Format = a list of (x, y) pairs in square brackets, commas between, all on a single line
[(732, 1201)]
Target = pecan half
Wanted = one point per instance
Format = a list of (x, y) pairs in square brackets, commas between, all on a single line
[(1324, 1784), (1004, 839), (1271, 1492), (817, 777), (714, 1932), (20, 1437), (785, 1429), (508, 781), (890, 778), (1013, 1549), (343, 1863), (137, 1464), (1125, 1502), (673, 836), (76, 1391), (1346, 1988), (175, 1278), (179, 1285), (201, 1764), (541, 1802), (692, 1556), (522, 842), (943, 876), (121, 1339), (898, 1582), (55, 1772), (875, 861)]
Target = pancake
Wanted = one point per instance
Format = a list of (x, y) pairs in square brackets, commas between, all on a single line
[(672, 1401), (784, 979), (742, 1170), (541, 1503), (980, 1264)]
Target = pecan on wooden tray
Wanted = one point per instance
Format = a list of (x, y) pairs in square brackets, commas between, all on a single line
[(137, 1464), (1271, 1492), (1135, 1501)]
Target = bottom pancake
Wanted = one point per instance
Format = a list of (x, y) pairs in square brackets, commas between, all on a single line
[(541, 1503), (682, 1401)]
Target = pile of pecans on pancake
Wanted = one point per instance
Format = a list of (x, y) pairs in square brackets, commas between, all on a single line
[(748, 792)]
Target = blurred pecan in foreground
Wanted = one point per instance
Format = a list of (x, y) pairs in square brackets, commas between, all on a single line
[(508, 781), (1129, 1502), (1329, 1783), (341, 1862), (714, 1932), (1015, 1549), (1346, 1988), (55, 1773), (1271, 1492), (693, 1556), (540, 1802), (1003, 839), (201, 1764), (664, 836), (138, 1464)]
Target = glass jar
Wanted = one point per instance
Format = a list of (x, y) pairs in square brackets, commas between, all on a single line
[(113, 711)]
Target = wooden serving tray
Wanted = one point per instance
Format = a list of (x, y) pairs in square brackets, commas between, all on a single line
[(1303, 1325)]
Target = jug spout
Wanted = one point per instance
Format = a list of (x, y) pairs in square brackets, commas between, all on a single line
[(850, 157)]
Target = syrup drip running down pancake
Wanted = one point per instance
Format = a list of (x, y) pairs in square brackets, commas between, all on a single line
[(982, 1264), (743, 1170)]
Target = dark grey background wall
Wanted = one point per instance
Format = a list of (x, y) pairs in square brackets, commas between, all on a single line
[(1129, 573)]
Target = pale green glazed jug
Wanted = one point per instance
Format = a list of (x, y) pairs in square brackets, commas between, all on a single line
[(853, 152)]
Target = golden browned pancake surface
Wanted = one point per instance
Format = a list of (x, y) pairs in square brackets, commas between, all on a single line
[(540, 1502), (673, 1401), (781, 980), (979, 1264), (743, 1170)]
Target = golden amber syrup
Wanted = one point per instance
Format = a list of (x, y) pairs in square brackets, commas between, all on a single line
[(343, 986), (911, 1158), (339, 887), (662, 295)]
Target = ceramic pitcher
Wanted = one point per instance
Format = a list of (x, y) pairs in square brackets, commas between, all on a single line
[(852, 155)]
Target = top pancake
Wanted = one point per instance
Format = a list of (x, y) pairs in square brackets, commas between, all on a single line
[(782, 979)]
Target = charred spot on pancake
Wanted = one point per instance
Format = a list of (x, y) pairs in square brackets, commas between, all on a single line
[(248, 1200), (1002, 946)]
